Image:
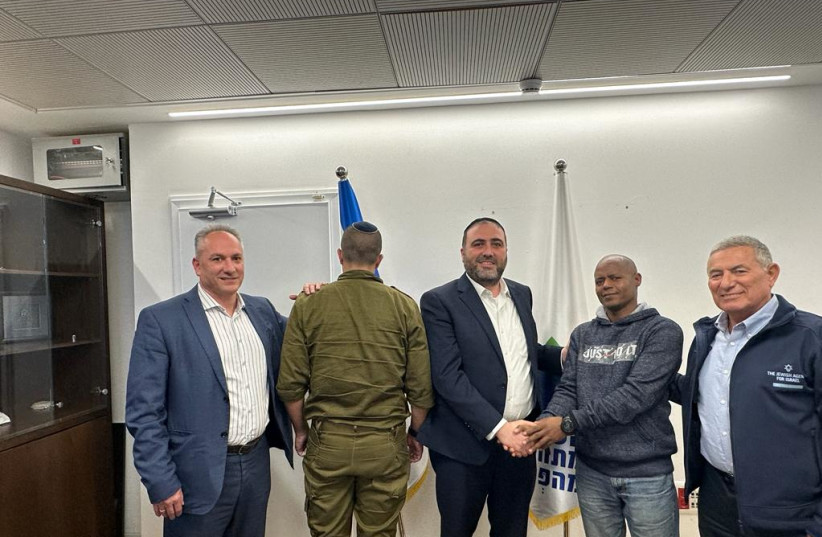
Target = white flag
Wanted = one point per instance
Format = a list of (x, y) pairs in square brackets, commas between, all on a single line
[(418, 474), (557, 314)]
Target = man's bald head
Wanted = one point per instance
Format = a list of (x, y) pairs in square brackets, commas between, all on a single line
[(616, 280), (626, 261)]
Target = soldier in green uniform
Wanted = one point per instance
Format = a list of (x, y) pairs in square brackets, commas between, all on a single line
[(358, 349)]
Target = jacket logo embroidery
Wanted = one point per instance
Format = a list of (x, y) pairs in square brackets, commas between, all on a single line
[(787, 379)]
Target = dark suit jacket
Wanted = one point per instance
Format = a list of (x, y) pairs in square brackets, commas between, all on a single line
[(177, 401), (467, 368)]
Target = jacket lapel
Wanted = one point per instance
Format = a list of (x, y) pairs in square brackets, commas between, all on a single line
[(196, 315), (528, 328), (264, 331), (471, 299), (705, 332)]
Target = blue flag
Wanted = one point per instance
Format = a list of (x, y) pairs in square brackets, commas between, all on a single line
[(349, 208)]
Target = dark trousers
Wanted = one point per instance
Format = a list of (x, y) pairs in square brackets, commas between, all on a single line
[(240, 511), (507, 483), (718, 512)]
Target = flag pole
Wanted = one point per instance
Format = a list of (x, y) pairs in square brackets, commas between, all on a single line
[(560, 166), (554, 500), (350, 213)]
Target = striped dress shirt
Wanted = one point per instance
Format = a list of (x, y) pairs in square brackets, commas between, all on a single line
[(244, 366)]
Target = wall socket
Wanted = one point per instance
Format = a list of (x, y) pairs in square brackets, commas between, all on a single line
[(693, 500)]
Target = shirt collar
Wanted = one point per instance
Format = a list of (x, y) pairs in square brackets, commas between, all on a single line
[(357, 274), (753, 324), (209, 302), (503, 288)]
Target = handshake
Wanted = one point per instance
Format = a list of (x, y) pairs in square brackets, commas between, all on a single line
[(522, 438)]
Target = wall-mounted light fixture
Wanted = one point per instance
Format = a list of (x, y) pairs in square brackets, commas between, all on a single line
[(211, 212)]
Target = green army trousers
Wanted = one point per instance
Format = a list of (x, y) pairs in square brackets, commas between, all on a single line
[(355, 469)]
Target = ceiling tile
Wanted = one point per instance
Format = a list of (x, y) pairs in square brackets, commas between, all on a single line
[(12, 29), (169, 64), (313, 54), (75, 17), (602, 38), (422, 5), (763, 32), (475, 46), (219, 11), (42, 74)]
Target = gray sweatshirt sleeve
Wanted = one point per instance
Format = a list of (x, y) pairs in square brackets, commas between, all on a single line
[(646, 385)]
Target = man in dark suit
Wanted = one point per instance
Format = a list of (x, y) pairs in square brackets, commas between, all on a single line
[(201, 400), (482, 340)]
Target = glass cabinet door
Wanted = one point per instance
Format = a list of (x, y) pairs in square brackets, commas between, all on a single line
[(53, 344), (74, 271), (26, 366)]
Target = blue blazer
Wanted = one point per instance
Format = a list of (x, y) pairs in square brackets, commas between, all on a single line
[(467, 368), (177, 400)]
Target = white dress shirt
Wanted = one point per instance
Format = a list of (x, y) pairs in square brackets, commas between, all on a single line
[(244, 365), (519, 396)]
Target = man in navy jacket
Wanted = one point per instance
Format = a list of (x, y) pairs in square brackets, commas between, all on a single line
[(201, 401), (752, 403), (482, 340)]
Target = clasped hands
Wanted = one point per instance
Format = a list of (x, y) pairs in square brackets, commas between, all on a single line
[(522, 438)]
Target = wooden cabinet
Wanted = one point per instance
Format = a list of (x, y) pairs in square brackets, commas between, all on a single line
[(55, 454)]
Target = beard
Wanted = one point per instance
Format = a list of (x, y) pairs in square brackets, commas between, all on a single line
[(484, 275)]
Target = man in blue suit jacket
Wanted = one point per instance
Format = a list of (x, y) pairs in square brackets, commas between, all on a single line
[(482, 340), (201, 400)]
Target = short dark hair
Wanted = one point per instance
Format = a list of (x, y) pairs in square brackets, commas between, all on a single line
[(208, 230), (481, 220), (361, 243)]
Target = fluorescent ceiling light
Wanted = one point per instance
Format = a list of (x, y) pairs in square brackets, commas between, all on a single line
[(330, 107), (661, 85), (499, 97)]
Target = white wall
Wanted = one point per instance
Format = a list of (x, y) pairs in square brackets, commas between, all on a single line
[(658, 178), (15, 156), (120, 278)]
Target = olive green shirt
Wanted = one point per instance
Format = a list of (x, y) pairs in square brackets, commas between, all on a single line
[(358, 348)]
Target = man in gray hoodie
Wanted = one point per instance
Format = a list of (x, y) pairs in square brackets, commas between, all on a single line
[(613, 397)]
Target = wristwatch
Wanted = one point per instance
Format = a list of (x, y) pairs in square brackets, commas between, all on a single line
[(568, 425)]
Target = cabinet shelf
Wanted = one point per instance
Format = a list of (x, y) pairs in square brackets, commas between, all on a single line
[(41, 273), (73, 274), (32, 424), (4, 270), (21, 347)]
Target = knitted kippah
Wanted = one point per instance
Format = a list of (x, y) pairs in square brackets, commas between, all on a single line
[(365, 227)]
